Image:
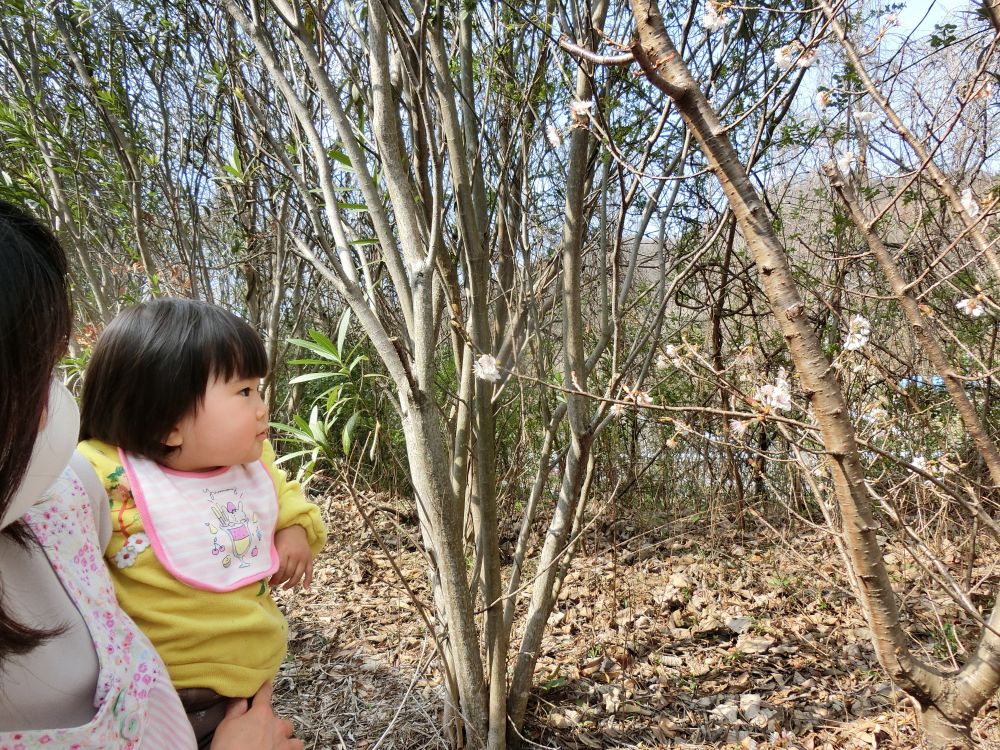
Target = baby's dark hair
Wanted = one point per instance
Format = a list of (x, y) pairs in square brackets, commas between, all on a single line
[(152, 366)]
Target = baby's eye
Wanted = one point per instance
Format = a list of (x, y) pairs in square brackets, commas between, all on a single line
[(245, 392)]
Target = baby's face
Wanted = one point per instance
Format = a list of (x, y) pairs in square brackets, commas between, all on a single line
[(227, 429)]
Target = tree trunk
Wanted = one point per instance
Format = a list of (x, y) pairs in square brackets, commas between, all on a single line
[(666, 70)]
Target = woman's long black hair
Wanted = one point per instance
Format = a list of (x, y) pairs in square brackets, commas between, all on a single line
[(35, 323)]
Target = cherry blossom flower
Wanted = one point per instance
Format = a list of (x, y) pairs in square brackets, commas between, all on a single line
[(971, 306), (823, 99), (712, 20), (874, 413), (642, 398), (671, 357), (783, 57), (738, 427), (844, 161), (862, 117), (858, 332), (775, 396), (485, 368), (807, 58), (554, 136), (969, 203), (580, 111), (635, 396), (890, 21)]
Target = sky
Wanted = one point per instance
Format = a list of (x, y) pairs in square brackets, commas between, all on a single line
[(910, 16)]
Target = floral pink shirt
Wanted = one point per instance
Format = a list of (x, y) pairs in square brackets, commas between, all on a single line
[(135, 705)]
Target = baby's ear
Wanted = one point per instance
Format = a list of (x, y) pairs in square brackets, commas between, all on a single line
[(174, 439)]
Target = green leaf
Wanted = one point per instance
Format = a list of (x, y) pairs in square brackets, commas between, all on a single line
[(348, 431), (310, 376), (554, 683), (352, 206), (323, 362), (340, 157), (322, 339), (295, 432), (345, 323)]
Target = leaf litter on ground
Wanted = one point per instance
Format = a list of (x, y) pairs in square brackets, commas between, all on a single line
[(745, 646)]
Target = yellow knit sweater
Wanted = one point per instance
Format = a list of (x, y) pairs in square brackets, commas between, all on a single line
[(230, 642)]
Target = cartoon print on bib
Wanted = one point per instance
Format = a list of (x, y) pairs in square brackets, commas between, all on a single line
[(242, 532)]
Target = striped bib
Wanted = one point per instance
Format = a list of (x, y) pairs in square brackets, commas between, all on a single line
[(211, 530)]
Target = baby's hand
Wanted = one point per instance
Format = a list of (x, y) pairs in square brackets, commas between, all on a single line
[(294, 558)]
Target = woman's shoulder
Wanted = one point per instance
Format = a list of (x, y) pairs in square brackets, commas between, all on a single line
[(95, 493)]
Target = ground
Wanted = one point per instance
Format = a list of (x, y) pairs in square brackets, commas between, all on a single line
[(699, 639)]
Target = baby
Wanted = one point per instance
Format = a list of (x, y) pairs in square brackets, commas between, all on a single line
[(203, 522)]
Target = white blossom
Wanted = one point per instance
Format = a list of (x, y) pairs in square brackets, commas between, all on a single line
[(863, 117), (712, 20), (671, 356), (783, 57), (775, 396), (745, 356), (844, 161), (971, 306), (554, 136), (637, 397), (580, 110), (807, 58), (982, 91), (485, 368), (874, 414), (858, 332), (931, 468), (738, 427), (822, 99), (642, 398), (891, 20), (969, 203)]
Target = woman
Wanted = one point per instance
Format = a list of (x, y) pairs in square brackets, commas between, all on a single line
[(75, 671)]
